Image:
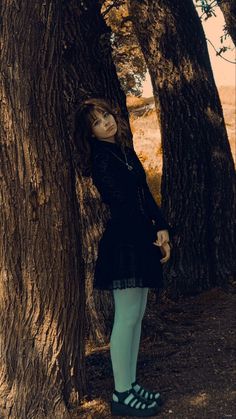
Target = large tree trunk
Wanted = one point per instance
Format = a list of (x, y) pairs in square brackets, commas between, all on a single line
[(63, 55), (41, 290), (90, 71), (198, 184), (228, 8)]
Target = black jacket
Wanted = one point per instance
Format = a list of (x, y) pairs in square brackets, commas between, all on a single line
[(126, 192)]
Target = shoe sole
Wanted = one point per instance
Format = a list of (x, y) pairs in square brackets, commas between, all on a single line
[(159, 401), (119, 409)]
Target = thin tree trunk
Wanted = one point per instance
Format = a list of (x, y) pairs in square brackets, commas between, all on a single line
[(198, 184), (228, 8), (41, 291)]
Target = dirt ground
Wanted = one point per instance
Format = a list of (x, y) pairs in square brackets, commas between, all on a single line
[(187, 353)]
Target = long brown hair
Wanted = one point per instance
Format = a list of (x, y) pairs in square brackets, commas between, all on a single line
[(82, 131)]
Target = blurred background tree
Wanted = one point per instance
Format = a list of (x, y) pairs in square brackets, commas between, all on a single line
[(127, 56)]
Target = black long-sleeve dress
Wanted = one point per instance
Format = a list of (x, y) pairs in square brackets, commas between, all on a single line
[(127, 256)]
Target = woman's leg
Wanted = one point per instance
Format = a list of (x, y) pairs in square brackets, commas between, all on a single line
[(127, 314), (150, 395), (137, 335)]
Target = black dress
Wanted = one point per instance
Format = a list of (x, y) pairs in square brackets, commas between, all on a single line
[(127, 256)]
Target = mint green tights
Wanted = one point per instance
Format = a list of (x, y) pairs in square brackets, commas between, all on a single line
[(130, 305)]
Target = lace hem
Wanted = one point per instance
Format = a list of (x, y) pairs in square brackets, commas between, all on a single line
[(127, 283)]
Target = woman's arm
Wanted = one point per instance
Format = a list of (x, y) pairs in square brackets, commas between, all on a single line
[(153, 209), (155, 212), (110, 189)]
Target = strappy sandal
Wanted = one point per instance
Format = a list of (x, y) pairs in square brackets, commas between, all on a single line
[(137, 405), (148, 395)]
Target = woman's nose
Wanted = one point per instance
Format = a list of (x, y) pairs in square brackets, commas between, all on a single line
[(105, 122)]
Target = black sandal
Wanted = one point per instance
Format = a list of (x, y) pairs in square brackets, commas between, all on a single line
[(137, 405), (152, 396)]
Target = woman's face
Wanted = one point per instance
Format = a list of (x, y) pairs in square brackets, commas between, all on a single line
[(103, 125)]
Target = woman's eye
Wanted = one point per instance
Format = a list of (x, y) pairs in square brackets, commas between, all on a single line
[(105, 114)]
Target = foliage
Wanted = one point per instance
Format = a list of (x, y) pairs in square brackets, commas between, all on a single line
[(208, 10), (127, 55), (207, 7)]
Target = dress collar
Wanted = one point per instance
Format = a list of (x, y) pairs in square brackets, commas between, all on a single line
[(105, 143)]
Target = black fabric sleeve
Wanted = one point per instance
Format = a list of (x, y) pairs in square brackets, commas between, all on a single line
[(111, 191), (154, 210)]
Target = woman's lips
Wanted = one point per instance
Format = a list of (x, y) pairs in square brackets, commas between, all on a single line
[(110, 128)]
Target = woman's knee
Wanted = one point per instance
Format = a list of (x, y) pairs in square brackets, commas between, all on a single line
[(127, 306), (128, 318)]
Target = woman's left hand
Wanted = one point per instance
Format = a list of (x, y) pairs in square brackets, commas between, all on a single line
[(162, 237), (165, 250), (163, 242)]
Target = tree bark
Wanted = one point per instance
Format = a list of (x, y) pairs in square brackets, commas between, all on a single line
[(48, 241), (228, 8), (41, 269), (198, 183), (90, 71)]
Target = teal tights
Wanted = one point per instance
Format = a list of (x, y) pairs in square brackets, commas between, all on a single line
[(130, 305)]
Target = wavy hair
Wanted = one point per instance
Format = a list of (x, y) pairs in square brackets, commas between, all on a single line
[(82, 130)]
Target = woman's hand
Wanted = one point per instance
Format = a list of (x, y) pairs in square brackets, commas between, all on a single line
[(162, 237), (163, 242), (165, 250)]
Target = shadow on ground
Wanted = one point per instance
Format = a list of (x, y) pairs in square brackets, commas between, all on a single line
[(187, 352)]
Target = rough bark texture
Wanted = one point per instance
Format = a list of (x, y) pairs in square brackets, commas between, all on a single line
[(90, 72), (228, 8), (41, 291), (47, 66), (198, 184)]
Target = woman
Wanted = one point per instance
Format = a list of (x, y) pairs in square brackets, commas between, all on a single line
[(133, 247)]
